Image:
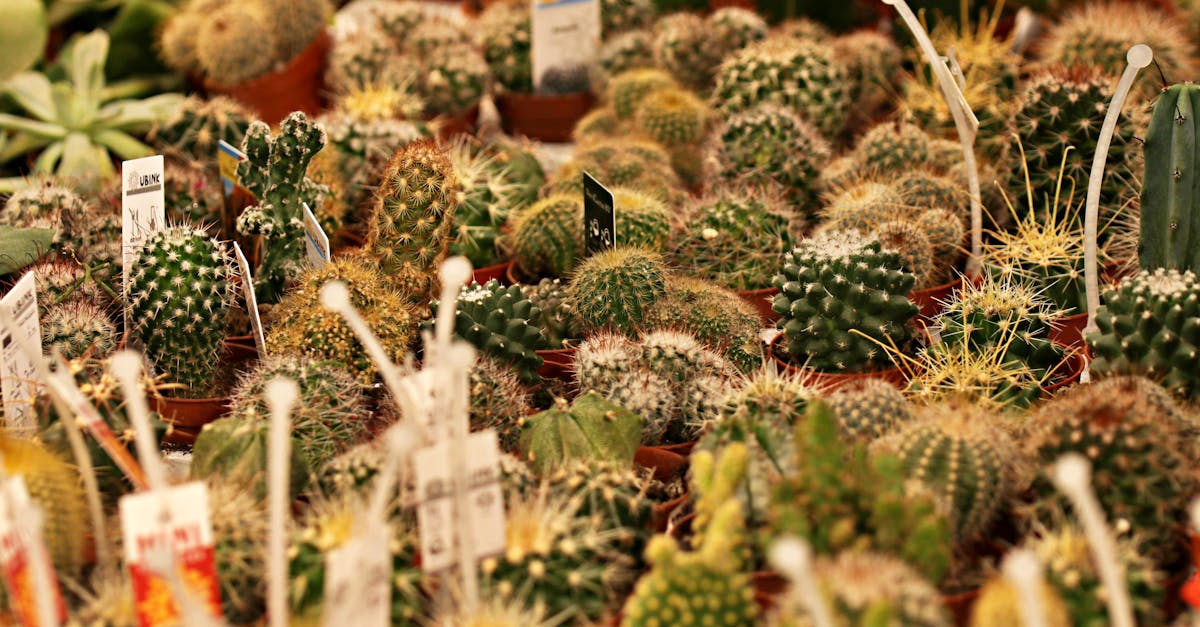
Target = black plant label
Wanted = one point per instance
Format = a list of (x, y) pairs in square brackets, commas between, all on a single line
[(599, 216)]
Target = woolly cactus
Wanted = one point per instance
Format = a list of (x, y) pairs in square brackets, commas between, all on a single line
[(411, 229), (500, 322), (1167, 233), (765, 145), (720, 319), (47, 206), (1148, 325), (870, 409), (590, 428), (77, 328), (612, 290), (179, 294), (274, 172), (199, 124), (239, 522), (801, 75), (508, 44), (682, 49), (234, 44), (830, 285)]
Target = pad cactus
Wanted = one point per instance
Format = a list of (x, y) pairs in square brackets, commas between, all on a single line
[(832, 283), (613, 290), (721, 320), (766, 145), (589, 428), (199, 124), (179, 294), (54, 487), (870, 409), (627, 89), (77, 328), (736, 238), (502, 323)]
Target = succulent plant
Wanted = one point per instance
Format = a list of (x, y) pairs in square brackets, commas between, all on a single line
[(589, 428), (873, 66), (768, 145), (909, 241), (731, 29), (234, 450), (830, 285), (490, 194), (77, 328), (362, 145), (1166, 233), (507, 45), (863, 205), (198, 124), (622, 499), (501, 322), (53, 486), (562, 80), (239, 522), (999, 603), (626, 51), (599, 124), (870, 409), (453, 80), (682, 49), (636, 164), (627, 89), (179, 294), (892, 147), (193, 194), (677, 119), (498, 401), (718, 318), (613, 289), (61, 281), (548, 236), (557, 319), (621, 16), (926, 188)]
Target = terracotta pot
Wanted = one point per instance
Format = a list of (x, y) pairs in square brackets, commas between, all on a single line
[(762, 300), (188, 415), (768, 587), (666, 465), (296, 86), (1189, 592), (498, 272), (513, 274), (1069, 331), (829, 381), (960, 606), (545, 118), (662, 513), (556, 364), (450, 126), (683, 448)]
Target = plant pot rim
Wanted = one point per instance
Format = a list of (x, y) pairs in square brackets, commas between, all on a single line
[(319, 45), (833, 380)]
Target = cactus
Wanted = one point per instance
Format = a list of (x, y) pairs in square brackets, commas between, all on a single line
[(433, 35), (731, 29), (557, 320), (627, 89), (623, 499), (562, 80), (682, 49), (765, 145), (108, 603), (362, 145), (800, 75), (199, 124), (677, 119), (411, 229), (234, 44), (600, 123), (61, 282), (830, 284), (274, 172), (999, 604), (239, 522), (500, 322), (234, 450), (623, 162), (498, 401), (924, 188), (1167, 232), (863, 205), (870, 409), (873, 66), (300, 325), (621, 16), (721, 320), (626, 51), (453, 81), (613, 290), (489, 195), (1148, 325), (179, 294), (46, 205), (54, 487), (945, 231), (892, 147), (908, 240), (365, 55), (193, 195), (548, 236), (77, 328), (1121, 425), (296, 23), (507, 45), (590, 428), (519, 162)]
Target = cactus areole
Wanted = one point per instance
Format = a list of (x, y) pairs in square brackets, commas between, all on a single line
[(1170, 228)]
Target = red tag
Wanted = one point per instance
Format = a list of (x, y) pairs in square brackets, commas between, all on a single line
[(15, 552), (156, 603)]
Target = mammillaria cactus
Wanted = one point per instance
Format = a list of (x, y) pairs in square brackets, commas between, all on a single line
[(489, 195), (678, 120), (500, 322), (736, 237), (46, 205), (870, 409), (179, 294), (63, 281), (909, 241), (718, 318), (77, 328), (239, 550), (589, 428), (452, 81), (507, 45), (548, 236), (498, 401), (612, 290), (682, 49), (830, 285), (557, 319), (199, 124), (769, 145), (620, 162), (892, 147), (621, 16), (873, 64)]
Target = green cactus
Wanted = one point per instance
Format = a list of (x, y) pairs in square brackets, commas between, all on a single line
[(46, 205), (61, 281), (433, 35), (730, 29), (1148, 324), (589, 428), (498, 401), (678, 120), (179, 294), (736, 237), (682, 49), (453, 81), (489, 196), (548, 236), (769, 145), (295, 24), (234, 43), (77, 328), (626, 51), (557, 319), (54, 487), (612, 290), (411, 229), (199, 124), (870, 409), (621, 162), (508, 44), (908, 240), (519, 162), (274, 172), (362, 147), (1168, 235), (873, 67), (239, 521), (798, 74), (924, 188), (234, 450), (720, 319), (193, 194), (863, 205), (621, 16), (627, 89), (999, 603), (599, 123), (500, 322), (945, 231), (830, 284), (892, 147), (1044, 249), (622, 498)]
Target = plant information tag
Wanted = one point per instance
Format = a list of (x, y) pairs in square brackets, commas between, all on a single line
[(177, 519), (236, 196), (143, 205), (317, 242), (260, 341), (358, 580), (566, 37), (599, 216), (435, 489), (17, 554), (18, 374)]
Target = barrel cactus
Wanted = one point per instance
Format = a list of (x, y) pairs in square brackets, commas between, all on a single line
[(199, 124), (612, 290)]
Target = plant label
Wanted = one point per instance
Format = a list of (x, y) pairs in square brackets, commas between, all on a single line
[(19, 549), (316, 241), (175, 519), (358, 580), (566, 38), (599, 216), (260, 341), (236, 196), (436, 492), (143, 205), (18, 373)]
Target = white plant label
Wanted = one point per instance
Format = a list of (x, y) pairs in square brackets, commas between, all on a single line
[(143, 205), (423, 386), (17, 554), (566, 36), (18, 373), (435, 489), (177, 519), (316, 241), (358, 580), (260, 341)]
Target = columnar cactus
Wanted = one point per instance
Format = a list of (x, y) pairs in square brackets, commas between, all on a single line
[(613, 290), (500, 322), (1169, 232), (830, 286), (769, 145), (199, 124), (179, 294)]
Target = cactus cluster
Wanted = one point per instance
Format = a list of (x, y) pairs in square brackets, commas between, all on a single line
[(769, 145), (500, 322), (718, 318)]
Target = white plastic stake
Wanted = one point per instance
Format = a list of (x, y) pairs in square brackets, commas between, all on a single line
[(126, 366), (1137, 58), (1073, 476), (793, 558), (401, 439), (965, 123), (1024, 571), (455, 273), (281, 394)]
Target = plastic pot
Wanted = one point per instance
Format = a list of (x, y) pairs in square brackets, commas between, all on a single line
[(297, 86), (487, 273), (665, 464), (450, 126)]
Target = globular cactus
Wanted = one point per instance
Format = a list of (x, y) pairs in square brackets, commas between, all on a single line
[(55, 488), (681, 48), (452, 81), (678, 120), (1168, 233), (736, 237), (599, 123), (77, 328), (490, 193), (802, 28), (193, 194), (945, 231), (732, 28), (1148, 324), (507, 45), (589, 428), (623, 499), (925, 188), (199, 124), (800, 75), (863, 205), (234, 450), (362, 146), (548, 236), (300, 324), (295, 24), (621, 16), (62, 281), (769, 145), (892, 147), (498, 401), (502, 323), (626, 51), (830, 284), (234, 44), (1044, 249), (239, 522), (873, 66), (433, 36), (518, 160), (631, 163), (179, 294), (718, 318), (612, 290), (274, 172), (46, 205), (414, 208), (364, 54), (908, 240), (557, 320), (108, 602), (627, 89), (870, 409)]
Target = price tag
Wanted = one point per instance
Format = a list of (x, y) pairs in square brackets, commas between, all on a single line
[(18, 373), (17, 552), (143, 205), (176, 519), (358, 580), (251, 300), (599, 216), (317, 241), (566, 35), (435, 488)]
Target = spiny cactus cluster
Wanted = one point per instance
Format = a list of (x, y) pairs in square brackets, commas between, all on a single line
[(501, 322), (691, 47), (507, 41), (870, 409), (769, 145), (718, 318)]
